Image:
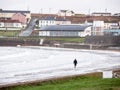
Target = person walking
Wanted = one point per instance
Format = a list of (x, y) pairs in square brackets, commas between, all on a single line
[(75, 63)]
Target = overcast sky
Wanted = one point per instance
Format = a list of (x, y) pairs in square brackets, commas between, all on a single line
[(52, 6)]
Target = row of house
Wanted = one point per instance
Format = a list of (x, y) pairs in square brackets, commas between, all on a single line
[(80, 30), (14, 19), (105, 14), (57, 25), (72, 13), (99, 27), (22, 16), (51, 20), (66, 13), (10, 23), (101, 14)]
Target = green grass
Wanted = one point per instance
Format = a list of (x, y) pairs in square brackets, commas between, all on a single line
[(58, 39), (55, 39), (66, 39), (9, 33), (74, 83)]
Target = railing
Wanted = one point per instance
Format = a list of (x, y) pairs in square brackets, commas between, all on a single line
[(28, 31)]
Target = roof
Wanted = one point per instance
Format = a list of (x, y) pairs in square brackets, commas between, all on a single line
[(66, 11), (13, 11), (10, 21), (54, 18), (63, 10), (40, 15), (19, 13), (48, 18), (100, 13), (64, 27), (61, 19), (112, 30)]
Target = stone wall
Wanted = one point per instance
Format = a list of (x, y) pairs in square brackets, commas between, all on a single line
[(116, 74), (17, 41), (103, 40)]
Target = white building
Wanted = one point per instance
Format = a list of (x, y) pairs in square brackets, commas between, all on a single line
[(11, 13), (113, 32), (10, 25), (111, 25), (98, 28), (53, 21), (117, 14), (66, 13), (101, 14), (65, 31)]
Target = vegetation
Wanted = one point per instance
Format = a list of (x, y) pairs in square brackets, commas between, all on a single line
[(66, 39), (36, 37), (9, 33), (84, 82)]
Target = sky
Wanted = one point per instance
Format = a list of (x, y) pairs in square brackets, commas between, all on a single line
[(53, 6)]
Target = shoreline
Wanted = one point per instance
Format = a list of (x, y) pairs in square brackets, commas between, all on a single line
[(36, 82), (67, 49), (47, 80), (51, 78)]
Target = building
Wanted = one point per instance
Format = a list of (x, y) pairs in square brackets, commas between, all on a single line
[(113, 32), (101, 14), (8, 14), (50, 20), (98, 28), (65, 13), (117, 14), (61, 20), (10, 25), (111, 25), (65, 31), (20, 17)]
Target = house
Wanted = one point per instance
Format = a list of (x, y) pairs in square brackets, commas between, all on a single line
[(61, 20), (50, 20), (46, 21), (10, 13), (101, 14), (113, 32), (20, 17), (66, 13), (111, 25), (117, 14), (65, 31), (98, 28), (10, 25)]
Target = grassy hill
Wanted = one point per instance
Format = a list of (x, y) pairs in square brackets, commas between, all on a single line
[(85, 82)]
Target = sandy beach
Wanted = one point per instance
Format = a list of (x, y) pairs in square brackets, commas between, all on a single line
[(28, 64)]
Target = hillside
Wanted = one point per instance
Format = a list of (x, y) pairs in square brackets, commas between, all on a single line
[(82, 18)]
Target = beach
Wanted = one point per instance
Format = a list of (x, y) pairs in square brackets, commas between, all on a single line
[(28, 64)]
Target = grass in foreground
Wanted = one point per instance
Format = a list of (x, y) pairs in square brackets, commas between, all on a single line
[(9, 33), (66, 39), (74, 83)]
